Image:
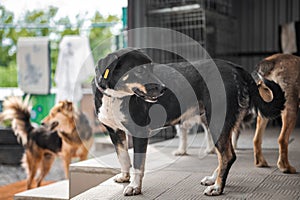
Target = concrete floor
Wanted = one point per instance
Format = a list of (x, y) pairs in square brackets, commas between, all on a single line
[(170, 177)]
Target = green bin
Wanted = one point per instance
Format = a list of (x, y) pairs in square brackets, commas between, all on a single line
[(41, 105)]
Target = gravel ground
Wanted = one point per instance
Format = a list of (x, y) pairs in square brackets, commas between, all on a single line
[(13, 173)]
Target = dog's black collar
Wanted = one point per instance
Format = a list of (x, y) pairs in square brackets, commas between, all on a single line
[(101, 89)]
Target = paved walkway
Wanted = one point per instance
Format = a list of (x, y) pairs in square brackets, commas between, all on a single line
[(168, 177)]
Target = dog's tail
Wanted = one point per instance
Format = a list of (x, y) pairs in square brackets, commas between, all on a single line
[(272, 108), (18, 111)]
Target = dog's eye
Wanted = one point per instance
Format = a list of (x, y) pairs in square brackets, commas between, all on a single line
[(141, 70)]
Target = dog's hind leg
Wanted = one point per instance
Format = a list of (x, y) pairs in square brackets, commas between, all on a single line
[(118, 138), (182, 132), (261, 124), (226, 157), (45, 167), (32, 165), (210, 146), (289, 117), (234, 138), (140, 149)]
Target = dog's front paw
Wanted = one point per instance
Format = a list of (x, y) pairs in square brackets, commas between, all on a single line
[(131, 190), (179, 152), (122, 178), (213, 190), (208, 180)]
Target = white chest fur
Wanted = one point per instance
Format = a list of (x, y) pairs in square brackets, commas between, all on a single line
[(110, 113)]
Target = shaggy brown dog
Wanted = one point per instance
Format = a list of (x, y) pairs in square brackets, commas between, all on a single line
[(283, 69), (74, 129), (41, 144)]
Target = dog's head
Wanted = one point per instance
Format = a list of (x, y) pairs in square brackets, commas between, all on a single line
[(63, 113), (128, 72)]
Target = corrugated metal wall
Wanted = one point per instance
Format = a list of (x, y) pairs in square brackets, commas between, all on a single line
[(256, 23), (258, 27)]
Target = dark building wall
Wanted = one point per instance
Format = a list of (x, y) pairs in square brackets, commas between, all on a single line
[(258, 23), (136, 18), (254, 27)]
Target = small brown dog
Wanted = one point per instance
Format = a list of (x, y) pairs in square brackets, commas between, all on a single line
[(41, 144), (283, 69), (74, 129)]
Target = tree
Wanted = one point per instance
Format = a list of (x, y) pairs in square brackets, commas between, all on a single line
[(101, 37), (43, 23), (6, 17)]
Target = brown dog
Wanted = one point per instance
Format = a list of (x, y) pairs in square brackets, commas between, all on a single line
[(283, 69), (74, 129), (41, 144)]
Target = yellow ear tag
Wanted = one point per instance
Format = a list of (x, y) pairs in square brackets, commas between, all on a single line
[(106, 74)]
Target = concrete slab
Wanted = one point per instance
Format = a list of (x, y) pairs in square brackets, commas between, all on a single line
[(169, 177), (55, 191)]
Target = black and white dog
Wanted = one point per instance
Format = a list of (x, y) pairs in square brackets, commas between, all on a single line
[(124, 102)]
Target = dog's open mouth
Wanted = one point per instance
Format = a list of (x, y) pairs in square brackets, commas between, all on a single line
[(154, 91)]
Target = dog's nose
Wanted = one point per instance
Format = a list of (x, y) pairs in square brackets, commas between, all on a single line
[(163, 88)]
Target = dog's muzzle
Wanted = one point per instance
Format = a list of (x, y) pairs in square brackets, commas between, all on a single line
[(153, 92)]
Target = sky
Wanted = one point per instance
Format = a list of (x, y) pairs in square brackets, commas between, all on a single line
[(67, 7)]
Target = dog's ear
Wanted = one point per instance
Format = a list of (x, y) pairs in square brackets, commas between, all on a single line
[(53, 125), (61, 104), (66, 105), (265, 92), (265, 67), (69, 105)]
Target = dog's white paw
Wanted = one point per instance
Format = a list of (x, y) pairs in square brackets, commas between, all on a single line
[(210, 150), (131, 190), (213, 190), (179, 152), (208, 180), (121, 178)]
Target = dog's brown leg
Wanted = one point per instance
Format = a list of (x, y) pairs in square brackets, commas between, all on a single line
[(120, 142), (139, 157), (289, 116), (84, 153), (84, 149), (45, 167), (32, 165), (226, 157), (259, 159)]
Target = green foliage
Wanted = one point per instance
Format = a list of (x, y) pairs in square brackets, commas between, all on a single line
[(44, 23), (9, 75), (6, 17), (101, 37)]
